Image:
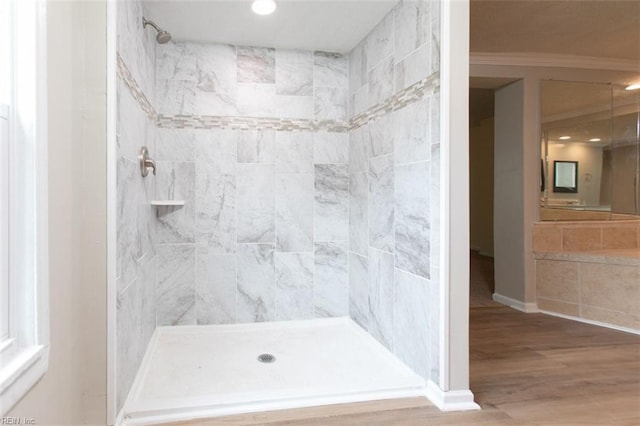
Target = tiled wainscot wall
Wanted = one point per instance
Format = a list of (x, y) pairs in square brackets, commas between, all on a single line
[(589, 270), (310, 180)]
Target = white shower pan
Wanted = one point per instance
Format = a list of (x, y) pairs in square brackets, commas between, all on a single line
[(191, 372)]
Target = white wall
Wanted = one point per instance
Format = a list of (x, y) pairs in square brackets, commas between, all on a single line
[(589, 160), (73, 389), (508, 191)]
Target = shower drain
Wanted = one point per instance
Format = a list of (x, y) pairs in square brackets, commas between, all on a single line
[(266, 358)]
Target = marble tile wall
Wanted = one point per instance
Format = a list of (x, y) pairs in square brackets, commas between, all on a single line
[(136, 255), (394, 186), (310, 182)]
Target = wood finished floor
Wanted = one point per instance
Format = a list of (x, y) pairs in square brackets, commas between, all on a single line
[(526, 369)]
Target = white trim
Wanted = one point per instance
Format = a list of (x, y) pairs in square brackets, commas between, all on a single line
[(454, 210), (529, 308), (592, 322), (112, 213), (552, 60), (461, 400)]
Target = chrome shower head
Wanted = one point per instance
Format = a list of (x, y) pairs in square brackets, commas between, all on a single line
[(163, 36)]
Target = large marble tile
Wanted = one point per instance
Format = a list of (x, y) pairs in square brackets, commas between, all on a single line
[(176, 97), (176, 181), (381, 81), (412, 210), (217, 88), (294, 152), (330, 103), (216, 212), (434, 324), (359, 290), (412, 26), (215, 287), (256, 65), (294, 107), (216, 150), (147, 281), (146, 219), (294, 212), (128, 323), (381, 134), (434, 205), (176, 289), (256, 283), (361, 100), (411, 322), (359, 150), (331, 204), (127, 236), (411, 135), (381, 285), (130, 125), (256, 203), (380, 41), (358, 213), (216, 69), (331, 280), (294, 286), (257, 100), (381, 203), (358, 67), (257, 146), (174, 145), (330, 148), (413, 68), (294, 72), (331, 70), (176, 61), (224, 103)]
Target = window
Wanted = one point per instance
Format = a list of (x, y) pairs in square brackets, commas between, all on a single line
[(24, 334)]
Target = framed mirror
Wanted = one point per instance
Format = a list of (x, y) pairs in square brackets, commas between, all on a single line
[(565, 176)]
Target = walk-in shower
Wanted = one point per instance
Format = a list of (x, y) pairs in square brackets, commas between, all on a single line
[(294, 212)]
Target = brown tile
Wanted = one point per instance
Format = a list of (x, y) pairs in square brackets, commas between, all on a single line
[(558, 307), (547, 238), (611, 287), (581, 238), (620, 237), (557, 280)]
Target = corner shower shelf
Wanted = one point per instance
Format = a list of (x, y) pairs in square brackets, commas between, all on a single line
[(167, 203)]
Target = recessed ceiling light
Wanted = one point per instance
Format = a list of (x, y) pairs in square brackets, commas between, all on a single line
[(564, 138), (634, 86), (595, 140), (263, 7)]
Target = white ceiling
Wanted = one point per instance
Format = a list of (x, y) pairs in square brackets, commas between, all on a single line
[(326, 25)]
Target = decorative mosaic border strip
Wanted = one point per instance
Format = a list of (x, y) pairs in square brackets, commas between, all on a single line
[(403, 98), (125, 75), (249, 123)]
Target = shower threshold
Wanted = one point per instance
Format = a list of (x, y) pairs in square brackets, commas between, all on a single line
[(191, 372)]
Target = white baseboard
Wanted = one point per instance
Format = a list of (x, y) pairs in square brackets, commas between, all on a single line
[(460, 400), (592, 322), (529, 308)]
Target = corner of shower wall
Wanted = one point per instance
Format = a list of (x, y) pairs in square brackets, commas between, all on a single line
[(136, 224), (394, 174)]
